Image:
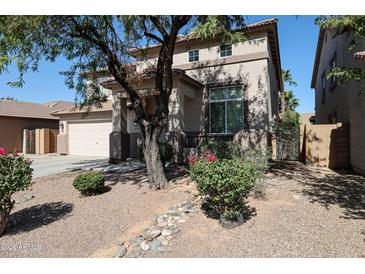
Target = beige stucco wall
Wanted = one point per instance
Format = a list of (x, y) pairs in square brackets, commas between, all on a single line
[(11, 130), (252, 75), (209, 50), (250, 65), (343, 100)]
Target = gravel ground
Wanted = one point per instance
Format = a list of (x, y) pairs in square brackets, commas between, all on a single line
[(308, 212), (57, 222)]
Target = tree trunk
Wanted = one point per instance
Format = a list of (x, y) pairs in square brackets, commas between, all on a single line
[(283, 102), (151, 150), (4, 214)]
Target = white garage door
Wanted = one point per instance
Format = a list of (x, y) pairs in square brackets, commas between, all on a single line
[(91, 138)]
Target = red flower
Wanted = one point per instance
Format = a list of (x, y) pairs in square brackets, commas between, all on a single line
[(3, 151), (192, 160), (209, 156)]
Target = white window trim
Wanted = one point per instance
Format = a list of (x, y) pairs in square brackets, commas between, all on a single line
[(225, 112), (189, 55)]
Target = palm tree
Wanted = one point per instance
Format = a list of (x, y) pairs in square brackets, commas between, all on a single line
[(288, 100)]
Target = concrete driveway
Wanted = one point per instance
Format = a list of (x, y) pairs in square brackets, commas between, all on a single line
[(44, 165)]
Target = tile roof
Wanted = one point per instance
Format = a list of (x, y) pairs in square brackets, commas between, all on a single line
[(107, 106), (30, 110)]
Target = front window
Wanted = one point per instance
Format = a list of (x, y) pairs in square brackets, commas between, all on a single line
[(225, 50), (193, 55), (333, 65), (323, 87), (226, 109)]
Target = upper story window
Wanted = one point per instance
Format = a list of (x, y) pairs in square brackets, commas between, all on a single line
[(323, 88), (226, 109), (225, 50), (193, 55), (333, 65)]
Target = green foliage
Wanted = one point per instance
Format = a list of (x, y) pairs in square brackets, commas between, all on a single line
[(287, 125), (341, 24), (291, 102), (15, 175), (226, 184), (232, 150), (286, 132), (94, 43), (90, 183), (166, 152)]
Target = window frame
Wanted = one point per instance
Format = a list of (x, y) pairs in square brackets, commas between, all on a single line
[(333, 64), (220, 50), (210, 101), (193, 50), (323, 88)]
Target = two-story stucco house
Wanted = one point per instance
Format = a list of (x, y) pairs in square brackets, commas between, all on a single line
[(335, 103), (220, 91)]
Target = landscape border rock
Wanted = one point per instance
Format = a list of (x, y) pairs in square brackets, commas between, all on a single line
[(162, 231)]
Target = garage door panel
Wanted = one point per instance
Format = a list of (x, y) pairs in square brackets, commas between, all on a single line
[(91, 138)]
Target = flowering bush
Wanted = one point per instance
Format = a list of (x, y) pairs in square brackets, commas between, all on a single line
[(210, 156), (15, 175)]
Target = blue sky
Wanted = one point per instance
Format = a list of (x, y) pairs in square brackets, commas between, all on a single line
[(297, 41)]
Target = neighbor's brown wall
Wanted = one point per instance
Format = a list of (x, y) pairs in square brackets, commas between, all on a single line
[(326, 145), (11, 130)]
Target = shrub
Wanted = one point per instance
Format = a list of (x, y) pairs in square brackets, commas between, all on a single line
[(15, 175), (225, 183), (90, 183), (166, 152), (232, 150)]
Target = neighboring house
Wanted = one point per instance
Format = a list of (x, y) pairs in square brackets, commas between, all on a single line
[(221, 91), (336, 103), (15, 116)]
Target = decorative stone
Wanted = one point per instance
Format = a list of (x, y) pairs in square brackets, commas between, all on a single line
[(176, 218), (181, 221), (195, 193), (166, 232), (172, 210), (153, 234), (136, 241), (155, 244), (166, 242), (144, 246), (162, 224), (169, 238), (25, 197), (135, 253), (122, 251)]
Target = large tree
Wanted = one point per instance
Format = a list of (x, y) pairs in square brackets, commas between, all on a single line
[(94, 43), (341, 24)]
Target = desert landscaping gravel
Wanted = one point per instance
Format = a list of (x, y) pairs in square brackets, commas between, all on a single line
[(306, 212), (57, 222)]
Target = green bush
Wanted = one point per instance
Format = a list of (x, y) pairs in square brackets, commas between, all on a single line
[(166, 152), (15, 175), (89, 183), (225, 183), (232, 150)]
